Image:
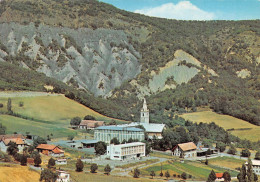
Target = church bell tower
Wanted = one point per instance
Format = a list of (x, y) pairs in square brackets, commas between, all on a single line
[(144, 113)]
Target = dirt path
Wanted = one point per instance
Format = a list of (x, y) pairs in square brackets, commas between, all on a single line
[(26, 94)]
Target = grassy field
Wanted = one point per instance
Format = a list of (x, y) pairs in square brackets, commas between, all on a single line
[(11, 173), (197, 170), (14, 124), (227, 122), (138, 163), (48, 115), (82, 177), (227, 162), (51, 108)]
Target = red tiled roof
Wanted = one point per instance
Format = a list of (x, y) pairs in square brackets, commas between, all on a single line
[(187, 146), (57, 151), (91, 123), (17, 141), (46, 146), (10, 136), (30, 160), (219, 175)]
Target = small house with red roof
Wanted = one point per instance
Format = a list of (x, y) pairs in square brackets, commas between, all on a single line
[(18, 139), (51, 150), (219, 175), (185, 150)]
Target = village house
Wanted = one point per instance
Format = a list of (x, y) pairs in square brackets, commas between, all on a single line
[(185, 150), (51, 150), (107, 133), (80, 144), (63, 176), (256, 166), (219, 177), (126, 151), (18, 139), (61, 161), (90, 124)]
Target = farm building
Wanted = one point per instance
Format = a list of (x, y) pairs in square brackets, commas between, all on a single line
[(185, 150), (133, 150), (61, 161), (18, 139), (82, 143), (107, 133), (90, 124), (51, 150)]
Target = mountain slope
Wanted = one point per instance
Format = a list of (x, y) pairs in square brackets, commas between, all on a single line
[(218, 65)]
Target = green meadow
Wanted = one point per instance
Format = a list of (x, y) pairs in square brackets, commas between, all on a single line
[(45, 115)]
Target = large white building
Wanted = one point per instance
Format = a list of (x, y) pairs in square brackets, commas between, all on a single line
[(256, 166), (133, 150), (107, 133)]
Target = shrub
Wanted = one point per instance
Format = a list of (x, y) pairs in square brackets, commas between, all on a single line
[(93, 168), (136, 173), (79, 165)]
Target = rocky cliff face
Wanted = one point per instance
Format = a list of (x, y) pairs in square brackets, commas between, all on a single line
[(98, 60)]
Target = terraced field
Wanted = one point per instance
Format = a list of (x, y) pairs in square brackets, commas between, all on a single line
[(238, 127), (197, 170)]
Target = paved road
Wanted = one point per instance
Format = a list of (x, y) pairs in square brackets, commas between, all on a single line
[(125, 172)]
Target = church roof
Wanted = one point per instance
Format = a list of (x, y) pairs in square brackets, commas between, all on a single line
[(118, 128), (149, 127)]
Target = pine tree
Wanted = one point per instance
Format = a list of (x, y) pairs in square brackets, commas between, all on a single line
[(242, 175), (9, 106), (107, 169), (79, 165), (212, 177), (37, 160), (23, 160), (93, 168), (167, 174), (152, 174), (226, 176), (136, 173), (51, 163), (250, 174)]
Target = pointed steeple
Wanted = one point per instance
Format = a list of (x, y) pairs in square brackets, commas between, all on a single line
[(144, 113), (144, 106)]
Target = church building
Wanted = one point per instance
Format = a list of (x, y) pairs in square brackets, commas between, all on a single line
[(152, 129)]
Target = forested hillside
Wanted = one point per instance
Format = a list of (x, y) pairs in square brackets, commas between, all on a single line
[(177, 65)]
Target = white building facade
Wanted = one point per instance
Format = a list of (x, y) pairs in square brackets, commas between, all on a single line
[(185, 150), (126, 151), (256, 166), (107, 133)]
